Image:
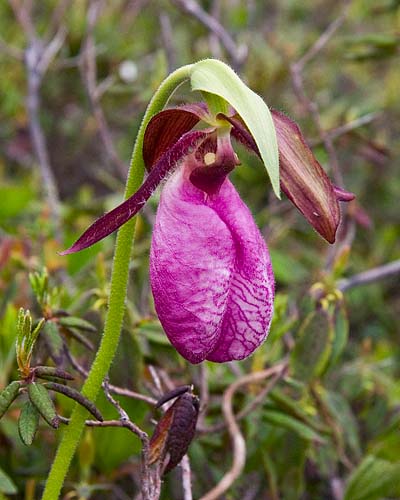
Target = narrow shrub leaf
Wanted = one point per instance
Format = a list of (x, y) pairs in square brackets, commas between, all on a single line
[(74, 322), (54, 342), (6, 484), (215, 77), (28, 423), (374, 479), (341, 334), (41, 399), (8, 395), (278, 419), (313, 347), (343, 415)]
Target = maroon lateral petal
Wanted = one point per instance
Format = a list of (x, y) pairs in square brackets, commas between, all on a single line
[(302, 178), (114, 219), (167, 126)]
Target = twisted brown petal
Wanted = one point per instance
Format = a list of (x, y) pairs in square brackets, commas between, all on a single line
[(303, 180)]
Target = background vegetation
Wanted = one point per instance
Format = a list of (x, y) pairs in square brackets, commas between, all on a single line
[(327, 425)]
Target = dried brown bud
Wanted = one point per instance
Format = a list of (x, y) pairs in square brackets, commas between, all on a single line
[(174, 432)]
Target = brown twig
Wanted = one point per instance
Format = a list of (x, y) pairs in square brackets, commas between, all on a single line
[(38, 57), (204, 394), (150, 485), (167, 40), (370, 276), (337, 488), (120, 391), (311, 106), (238, 442), (157, 380), (324, 38), (87, 64), (186, 478), (346, 228), (346, 128), (214, 42), (259, 399), (147, 479), (236, 53)]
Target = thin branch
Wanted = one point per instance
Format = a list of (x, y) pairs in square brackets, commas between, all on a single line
[(120, 391), (214, 42), (58, 15), (370, 276), (186, 478), (323, 39), (346, 228), (259, 399), (297, 69), (167, 40), (89, 75), (150, 486), (23, 12), (146, 480), (337, 488), (236, 53), (156, 380), (347, 127), (204, 394), (38, 57), (238, 442)]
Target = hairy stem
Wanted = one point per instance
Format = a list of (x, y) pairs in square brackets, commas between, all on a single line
[(116, 305)]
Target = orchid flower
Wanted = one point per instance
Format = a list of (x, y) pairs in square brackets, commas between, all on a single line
[(210, 270)]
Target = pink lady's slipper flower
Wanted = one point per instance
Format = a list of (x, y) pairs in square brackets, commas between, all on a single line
[(210, 269)]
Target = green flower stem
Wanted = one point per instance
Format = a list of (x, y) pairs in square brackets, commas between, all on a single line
[(116, 306)]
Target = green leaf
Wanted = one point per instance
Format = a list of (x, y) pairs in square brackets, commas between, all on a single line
[(279, 419), (6, 484), (41, 399), (296, 409), (33, 336), (40, 283), (215, 77), (54, 341), (153, 332), (74, 322), (28, 423), (374, 479), (343, 415), (8, 395), (313, 346), (341, 334)]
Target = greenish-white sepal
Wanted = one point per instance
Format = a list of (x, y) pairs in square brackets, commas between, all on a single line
[(215, 77), (215, 103)]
